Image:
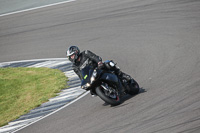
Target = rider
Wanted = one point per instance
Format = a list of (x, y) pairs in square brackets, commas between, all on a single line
[(80, 60)]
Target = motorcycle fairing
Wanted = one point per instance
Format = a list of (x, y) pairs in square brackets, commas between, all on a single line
[(86, 75), (109, 77)]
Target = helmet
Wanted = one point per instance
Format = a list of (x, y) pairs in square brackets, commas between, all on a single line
[(73, 50)]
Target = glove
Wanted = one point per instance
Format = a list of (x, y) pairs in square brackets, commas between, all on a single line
[(100, 65)]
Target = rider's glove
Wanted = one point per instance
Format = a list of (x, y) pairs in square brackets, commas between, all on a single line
[(100, 65)]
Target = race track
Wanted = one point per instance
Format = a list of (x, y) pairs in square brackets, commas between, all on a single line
[(155, 41)]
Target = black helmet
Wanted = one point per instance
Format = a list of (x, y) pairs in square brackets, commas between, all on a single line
[(73, 50)]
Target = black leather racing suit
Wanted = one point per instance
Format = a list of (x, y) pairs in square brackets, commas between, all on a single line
[(89, 58), (86, 58)]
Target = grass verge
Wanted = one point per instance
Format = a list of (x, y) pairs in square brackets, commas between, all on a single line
[(23, 89)]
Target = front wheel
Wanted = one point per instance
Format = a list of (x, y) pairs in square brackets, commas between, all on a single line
[(106, 95)]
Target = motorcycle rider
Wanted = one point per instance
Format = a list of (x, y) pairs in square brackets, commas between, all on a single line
[(82, 59)]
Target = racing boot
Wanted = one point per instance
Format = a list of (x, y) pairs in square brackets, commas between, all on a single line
[(92, 94), (125, 76), (122, 75)]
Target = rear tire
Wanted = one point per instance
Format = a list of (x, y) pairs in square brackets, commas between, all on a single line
[(114, 102), (134, 88)]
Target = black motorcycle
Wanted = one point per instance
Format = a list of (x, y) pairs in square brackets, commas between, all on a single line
[(106, 84)]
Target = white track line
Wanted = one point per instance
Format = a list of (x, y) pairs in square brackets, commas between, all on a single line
[(35, 8), (53, 112), (23, 121), (11, 128)]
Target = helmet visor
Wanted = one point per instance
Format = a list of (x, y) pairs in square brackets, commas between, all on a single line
[(71, 57)]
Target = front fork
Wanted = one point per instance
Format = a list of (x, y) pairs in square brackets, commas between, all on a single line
[(110, 91)]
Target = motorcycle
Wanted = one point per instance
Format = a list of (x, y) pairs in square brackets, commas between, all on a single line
[(106, 84)]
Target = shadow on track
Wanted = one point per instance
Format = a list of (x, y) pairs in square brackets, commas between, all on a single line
[(125, 98)]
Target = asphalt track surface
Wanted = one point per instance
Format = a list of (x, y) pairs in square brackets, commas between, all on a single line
[(155, 41), (7, 7)]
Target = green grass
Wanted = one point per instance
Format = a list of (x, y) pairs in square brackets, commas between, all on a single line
[(23, 89)]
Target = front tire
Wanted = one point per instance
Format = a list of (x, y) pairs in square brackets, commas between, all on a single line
[(107, 99)]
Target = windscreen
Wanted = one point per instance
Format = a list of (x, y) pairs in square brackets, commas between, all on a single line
[(86, 74)]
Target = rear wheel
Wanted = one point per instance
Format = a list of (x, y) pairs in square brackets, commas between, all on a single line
[(110, 95), (133, 88)]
